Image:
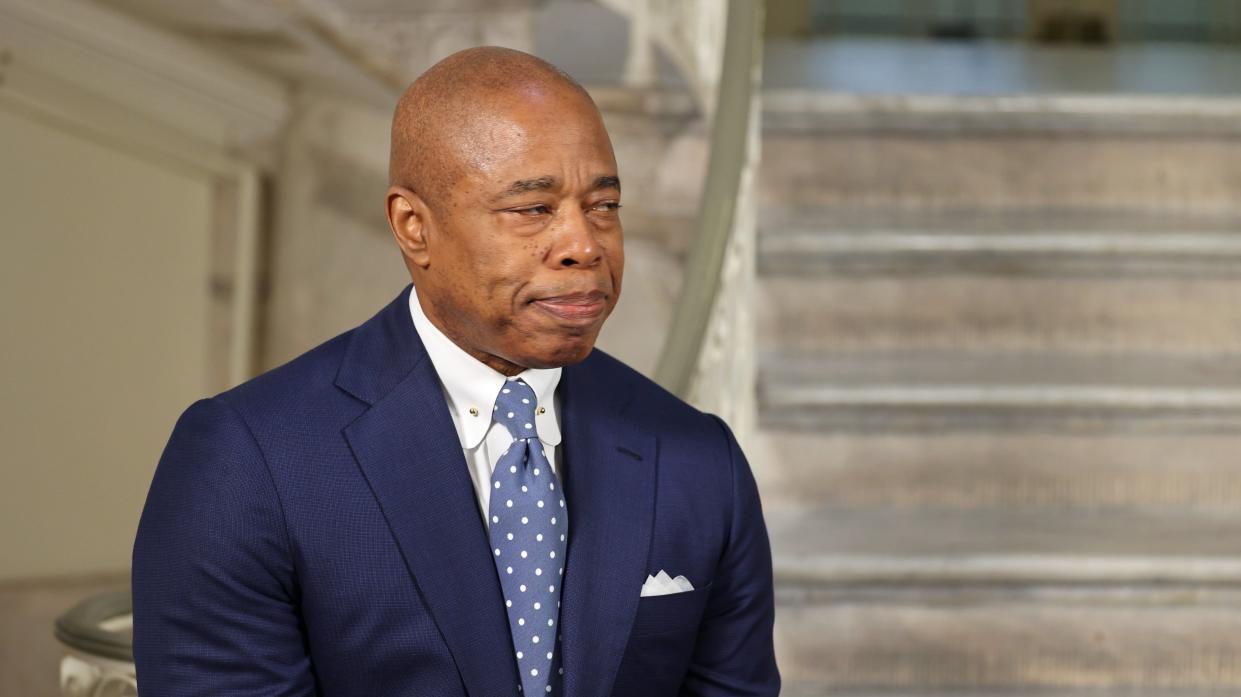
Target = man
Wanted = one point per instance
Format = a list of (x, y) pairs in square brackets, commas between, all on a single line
[(461, 495)]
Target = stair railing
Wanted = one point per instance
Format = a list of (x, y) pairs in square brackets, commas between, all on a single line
[(708, 356)]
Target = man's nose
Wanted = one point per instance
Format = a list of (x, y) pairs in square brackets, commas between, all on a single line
[(576, 243)]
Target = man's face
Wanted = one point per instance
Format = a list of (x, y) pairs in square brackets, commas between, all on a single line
[(525, 249)]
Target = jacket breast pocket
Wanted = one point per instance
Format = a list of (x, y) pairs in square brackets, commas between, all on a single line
[(661, 643), (671, 613)]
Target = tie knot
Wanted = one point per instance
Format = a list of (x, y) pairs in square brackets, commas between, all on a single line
[(515, 409)]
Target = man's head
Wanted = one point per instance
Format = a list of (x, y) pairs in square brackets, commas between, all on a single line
[(503, 197)]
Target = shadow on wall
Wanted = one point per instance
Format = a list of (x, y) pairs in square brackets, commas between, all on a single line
[(595, 57)]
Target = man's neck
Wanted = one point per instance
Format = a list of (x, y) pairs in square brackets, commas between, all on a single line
[(496, 363)]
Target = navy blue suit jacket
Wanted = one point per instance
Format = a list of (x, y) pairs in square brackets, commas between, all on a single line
[(314, 531)]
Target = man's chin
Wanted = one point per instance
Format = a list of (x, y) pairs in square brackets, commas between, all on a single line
[(562, 355)]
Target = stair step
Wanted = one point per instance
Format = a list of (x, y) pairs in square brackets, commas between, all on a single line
[(883, 599), (860, 279), (845, 547), (937, 391), (820, 689), (1016, 644), (1058, 253), (1119, 313), (973, 470), (800, 110), (1061, 243), (977, 157), (859, 217)]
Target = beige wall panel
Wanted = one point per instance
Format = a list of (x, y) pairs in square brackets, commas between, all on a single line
[(105, 297)]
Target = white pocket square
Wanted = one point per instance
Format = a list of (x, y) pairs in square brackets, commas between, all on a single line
[(663, 584)]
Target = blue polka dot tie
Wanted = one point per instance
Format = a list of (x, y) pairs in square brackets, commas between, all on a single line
[(529, 531)]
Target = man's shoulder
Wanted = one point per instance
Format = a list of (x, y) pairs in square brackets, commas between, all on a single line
[(613, 371), (299, 383), (650, 403)]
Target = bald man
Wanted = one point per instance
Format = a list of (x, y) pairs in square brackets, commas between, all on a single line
[(462, 496)]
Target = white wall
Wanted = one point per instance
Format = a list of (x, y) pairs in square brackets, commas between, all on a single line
[(104, 303)]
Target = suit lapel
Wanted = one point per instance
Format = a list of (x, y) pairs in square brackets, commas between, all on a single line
[(610, 468), (408, 450), (411, 457)]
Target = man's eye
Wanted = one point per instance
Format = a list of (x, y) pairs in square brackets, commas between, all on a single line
[(533, 210), (608, 206)]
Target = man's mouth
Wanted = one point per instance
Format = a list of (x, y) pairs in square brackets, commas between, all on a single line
[(574, 306)]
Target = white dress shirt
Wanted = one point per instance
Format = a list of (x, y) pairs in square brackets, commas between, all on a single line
[(470, 388)]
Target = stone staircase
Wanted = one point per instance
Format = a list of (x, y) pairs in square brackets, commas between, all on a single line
[(1000, 397)]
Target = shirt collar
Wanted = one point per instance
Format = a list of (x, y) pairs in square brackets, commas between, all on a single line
[(472, 386)]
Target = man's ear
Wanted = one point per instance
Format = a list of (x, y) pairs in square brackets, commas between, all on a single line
[(408, 217)]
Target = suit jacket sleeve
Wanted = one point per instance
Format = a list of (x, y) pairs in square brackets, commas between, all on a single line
[(734, 654), (214, 589)]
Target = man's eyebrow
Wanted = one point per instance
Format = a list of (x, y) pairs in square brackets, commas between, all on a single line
[(522, 186), (607, 181)]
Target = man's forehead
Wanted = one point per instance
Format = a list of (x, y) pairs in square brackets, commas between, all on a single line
[(497, 117), (498, 129), (543, 108), (553, 183)]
